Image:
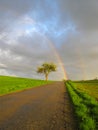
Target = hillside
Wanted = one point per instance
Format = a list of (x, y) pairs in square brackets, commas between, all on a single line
[(11, 84)]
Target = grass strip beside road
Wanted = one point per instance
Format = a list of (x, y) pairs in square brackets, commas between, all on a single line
[(85, 106)]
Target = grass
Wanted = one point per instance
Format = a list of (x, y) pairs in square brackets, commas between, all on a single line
[(13, 84), (90, 87), (85, 106)]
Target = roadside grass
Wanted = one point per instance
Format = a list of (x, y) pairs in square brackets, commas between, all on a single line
[(90, 87), (85, 107), (12, 84)]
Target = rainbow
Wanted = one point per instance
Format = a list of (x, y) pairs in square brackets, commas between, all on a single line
[(59, 60), (81, 64), (58, 57)]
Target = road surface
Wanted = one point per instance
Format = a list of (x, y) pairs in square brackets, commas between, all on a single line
[(43, 108)]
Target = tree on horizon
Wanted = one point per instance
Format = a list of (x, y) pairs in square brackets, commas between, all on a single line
[(46, 69)]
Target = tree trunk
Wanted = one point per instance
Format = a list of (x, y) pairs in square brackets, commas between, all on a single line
[(46, 76)]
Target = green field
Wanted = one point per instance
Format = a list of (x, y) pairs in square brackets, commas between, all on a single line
[(12, 84), (90, 87)]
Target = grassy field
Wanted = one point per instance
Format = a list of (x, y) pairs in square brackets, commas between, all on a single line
[(12, 84), (90, 87)]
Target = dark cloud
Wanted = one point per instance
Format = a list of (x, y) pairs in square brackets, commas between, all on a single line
[(82, 13), (17, 7)]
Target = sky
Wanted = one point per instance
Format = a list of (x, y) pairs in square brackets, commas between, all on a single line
[(64, 32)]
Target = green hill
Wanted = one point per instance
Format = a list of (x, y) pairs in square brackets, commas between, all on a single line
[(11, 84)]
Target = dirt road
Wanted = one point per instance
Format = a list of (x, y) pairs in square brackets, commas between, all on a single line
[(42, 108)]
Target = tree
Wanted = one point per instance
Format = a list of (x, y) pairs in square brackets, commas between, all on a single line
[(46, 68)]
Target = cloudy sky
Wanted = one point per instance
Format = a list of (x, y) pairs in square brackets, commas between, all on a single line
[(61, 31)]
